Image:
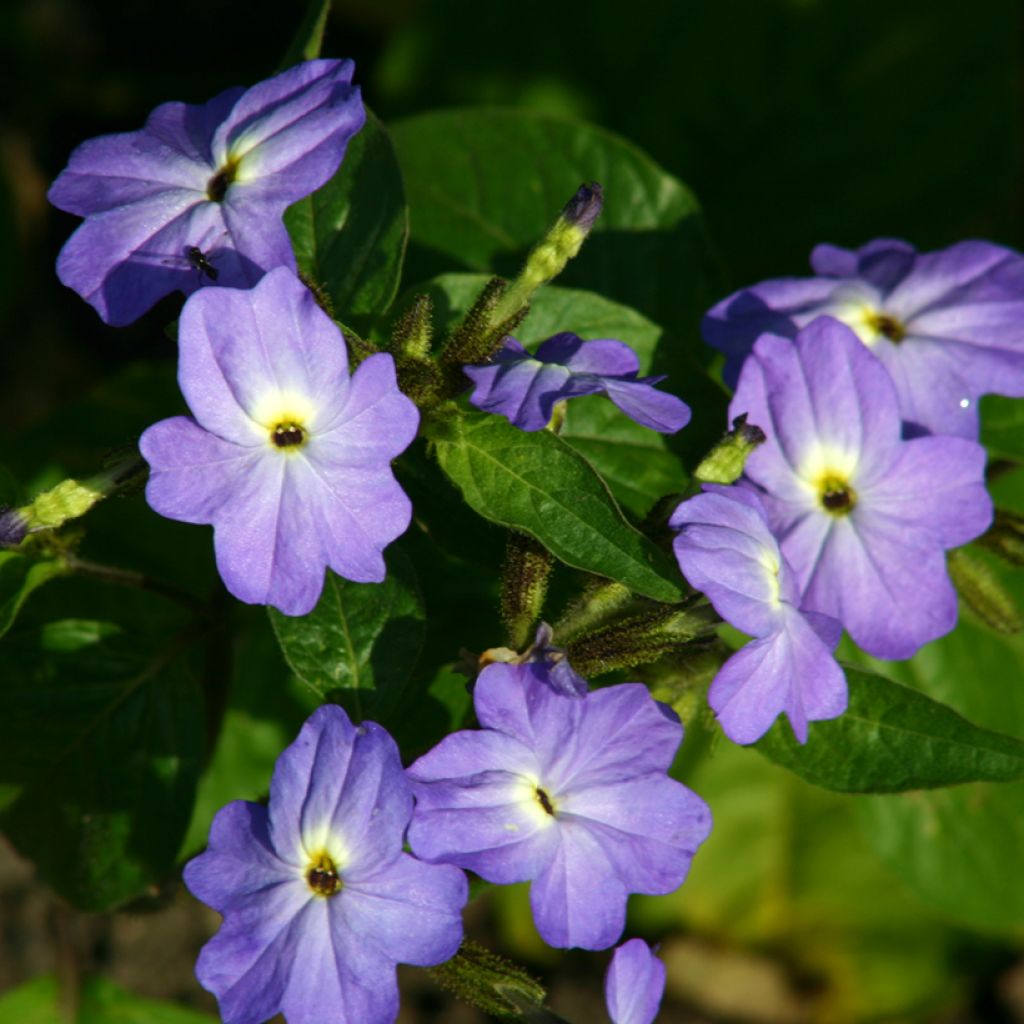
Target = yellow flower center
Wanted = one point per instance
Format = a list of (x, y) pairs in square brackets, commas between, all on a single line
[(836, 495), (287, 434), (217, 186)]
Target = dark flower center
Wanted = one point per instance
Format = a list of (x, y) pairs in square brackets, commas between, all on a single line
[(287, 435), (217, 186), (837, 496), (888, 326), (545, 801), (322, 877)]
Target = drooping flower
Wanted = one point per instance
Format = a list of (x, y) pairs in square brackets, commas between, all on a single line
[(319, 901), (947, 325), (634, 984), (285, 454), (863, 517), (542, 661), (197, 195), (524, 388), (567, 792), (726, 550)]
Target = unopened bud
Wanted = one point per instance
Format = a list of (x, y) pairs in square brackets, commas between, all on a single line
[(13, 526), (550, 256), (724, 463), (1005, 537), (490, 982), (983, 592), (414, 329), (524, 585), (585, 207)]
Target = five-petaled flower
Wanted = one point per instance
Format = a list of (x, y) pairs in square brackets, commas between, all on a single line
[(319, 901), (726, 550), (634, 984), (569, 792), (948, 325), (862, 516), (524, 388), (287, 456), (198, 194)]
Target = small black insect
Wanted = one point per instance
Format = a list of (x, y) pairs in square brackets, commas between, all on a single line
[(198, 259)]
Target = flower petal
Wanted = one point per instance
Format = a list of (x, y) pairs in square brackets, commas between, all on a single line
[(634, 984)]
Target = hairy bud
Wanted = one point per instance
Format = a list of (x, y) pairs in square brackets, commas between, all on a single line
[(524, 585), (724, 463), (983, 592)]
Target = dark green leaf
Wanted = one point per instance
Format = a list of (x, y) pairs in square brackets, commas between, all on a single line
[(359, 645), (350, 235), (486, 185), (20, 574), (893, 738), (309, 36), (99, 1001), (101, 740), (537, 483), (1002, 426)]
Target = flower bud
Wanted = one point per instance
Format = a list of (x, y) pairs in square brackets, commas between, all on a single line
[(491, 983), (13, 526), (724, 463), (983, 592), (524, 585)]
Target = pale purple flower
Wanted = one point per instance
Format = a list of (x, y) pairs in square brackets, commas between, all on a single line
[(285, 454), (863, 517), (571, 793), (198, 194), (524, 388), (549, 664), (947, 325), (634, 984), (319, 901), (726, 550)]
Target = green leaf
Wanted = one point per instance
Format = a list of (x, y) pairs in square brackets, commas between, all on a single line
[(636, 463), (537, 483), (486, 184), (1002, 426), (266, 708), (359, 645), (350, 235), (309, 36), (20, 574), (99, 1001), (892, 738), (101, 741)]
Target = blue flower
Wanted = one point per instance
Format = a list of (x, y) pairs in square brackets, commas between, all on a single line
[(319, 901), (524, 388)]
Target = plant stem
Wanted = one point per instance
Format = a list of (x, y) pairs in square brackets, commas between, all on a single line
[(138, 580)]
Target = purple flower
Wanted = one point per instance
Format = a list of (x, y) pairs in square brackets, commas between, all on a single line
[(548, 664), (634, 984), (863, 517), (198, 194), (726, 550), (948, 325), (571, 793), (524, 388), (319, 901), (287, 457)]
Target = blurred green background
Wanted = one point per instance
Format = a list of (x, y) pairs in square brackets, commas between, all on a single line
[(794, 122)]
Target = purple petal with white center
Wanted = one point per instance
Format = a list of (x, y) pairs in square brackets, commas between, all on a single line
[(578, 900), (605, 357), (290, 132), (524, 392), (411, 912), (634, 984), (147, 198), (791, 671), (726, 551), (336, 778)]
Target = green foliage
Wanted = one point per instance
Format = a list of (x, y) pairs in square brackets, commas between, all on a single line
[(20, 574), (350, 235), (893, 738), (358, 647), (101, 740), (487, 184), (309, 36), (99, 1001), (537, 483)]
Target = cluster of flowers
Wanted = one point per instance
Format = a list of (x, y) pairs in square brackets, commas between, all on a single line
[(864, 380)]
